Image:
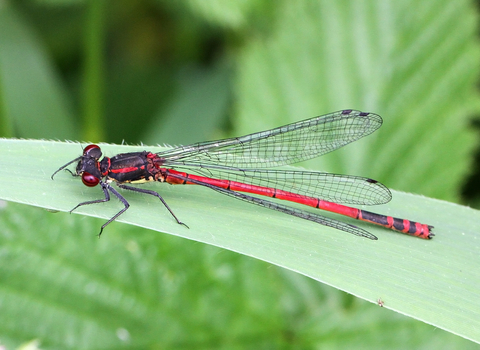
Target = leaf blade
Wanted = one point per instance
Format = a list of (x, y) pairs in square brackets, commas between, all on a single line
[(405, 264)]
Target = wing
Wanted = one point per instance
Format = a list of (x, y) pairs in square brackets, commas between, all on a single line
[(280, 146), (320, 219), (336, 188)]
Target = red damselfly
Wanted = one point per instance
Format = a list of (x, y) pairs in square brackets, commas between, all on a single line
[(237, 165)]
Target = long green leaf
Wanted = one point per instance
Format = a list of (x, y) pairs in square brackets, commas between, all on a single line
[(434, 281)]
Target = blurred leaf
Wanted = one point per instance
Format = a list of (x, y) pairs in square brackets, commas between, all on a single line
[(197, 107), (148, 89), (414, 63), (60, 2), (93, 87), (34, 99), (230, 14), (6, 127), (407, 273)]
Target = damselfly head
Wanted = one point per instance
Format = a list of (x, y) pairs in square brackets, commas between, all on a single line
[(88, 166)]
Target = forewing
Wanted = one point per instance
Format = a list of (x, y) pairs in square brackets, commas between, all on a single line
[(280, 146)]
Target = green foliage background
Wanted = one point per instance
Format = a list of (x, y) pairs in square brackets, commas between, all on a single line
[(180, 72)]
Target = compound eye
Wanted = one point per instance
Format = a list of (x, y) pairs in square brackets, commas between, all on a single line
[(90, 180), (92, 151)]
